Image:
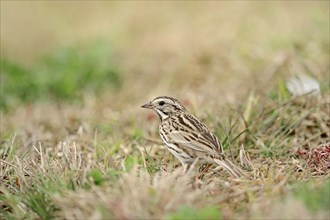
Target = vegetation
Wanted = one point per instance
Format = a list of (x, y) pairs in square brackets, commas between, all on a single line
[(75, 143), (62, 76)]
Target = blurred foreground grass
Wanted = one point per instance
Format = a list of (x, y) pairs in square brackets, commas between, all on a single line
[(75, 143)]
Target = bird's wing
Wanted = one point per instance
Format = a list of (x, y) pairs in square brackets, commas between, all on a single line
[(195, 135), (186, 139)]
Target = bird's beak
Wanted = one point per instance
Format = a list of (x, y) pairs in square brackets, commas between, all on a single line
[(147, 105)]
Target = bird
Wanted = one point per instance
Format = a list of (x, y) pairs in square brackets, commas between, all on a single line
[(187, 138)]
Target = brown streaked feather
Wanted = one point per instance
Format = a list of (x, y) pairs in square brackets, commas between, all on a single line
[(230, 167), (191, 133), (205, 132)]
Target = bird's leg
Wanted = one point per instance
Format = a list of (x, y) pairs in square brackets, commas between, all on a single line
[(206, 168), (185, 167), (194, 163)]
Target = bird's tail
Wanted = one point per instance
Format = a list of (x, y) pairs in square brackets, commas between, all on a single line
[(230, 167)]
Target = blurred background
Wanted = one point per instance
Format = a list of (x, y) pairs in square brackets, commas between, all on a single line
[(213, 50), (99, 61)]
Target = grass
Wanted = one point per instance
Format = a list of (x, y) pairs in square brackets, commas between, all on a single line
[(65, 75), (75, 144), (78, 179), (186, 212), (314, 196)]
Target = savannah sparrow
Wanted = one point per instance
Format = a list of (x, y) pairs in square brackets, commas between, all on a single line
[(187, 138)]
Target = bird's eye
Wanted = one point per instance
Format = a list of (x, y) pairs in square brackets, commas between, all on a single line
[(161, 103)]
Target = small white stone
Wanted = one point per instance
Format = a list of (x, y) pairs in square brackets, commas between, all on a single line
[(302, 84)]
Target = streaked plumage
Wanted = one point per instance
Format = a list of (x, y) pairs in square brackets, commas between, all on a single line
[(187, 138)]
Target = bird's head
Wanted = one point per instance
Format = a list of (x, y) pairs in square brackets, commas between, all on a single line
[(165, 106)]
